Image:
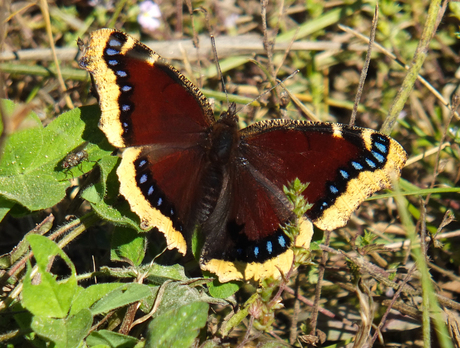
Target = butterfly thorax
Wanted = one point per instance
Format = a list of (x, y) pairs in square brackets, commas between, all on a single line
[(223, 141)]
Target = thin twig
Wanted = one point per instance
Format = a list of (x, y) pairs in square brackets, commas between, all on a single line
[(322, 268), (362, 77)]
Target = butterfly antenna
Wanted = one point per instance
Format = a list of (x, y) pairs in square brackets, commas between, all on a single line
[(219, 71), (279, 83), (214, 51)]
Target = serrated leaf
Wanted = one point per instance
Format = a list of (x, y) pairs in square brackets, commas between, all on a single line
[(110, 339), (178, 327), (49, 298), (120, 215), (31, 170), (64, 333)]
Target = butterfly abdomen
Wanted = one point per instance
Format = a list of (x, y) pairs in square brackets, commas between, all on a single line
[(221, 149)]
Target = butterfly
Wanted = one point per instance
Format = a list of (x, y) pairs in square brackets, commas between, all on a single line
[(182, 168)]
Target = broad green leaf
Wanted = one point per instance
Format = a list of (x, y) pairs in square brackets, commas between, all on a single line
[(105, 200), (5, 207), (178, 327), (65, 333), (90, 295), (127, 244), (122, 296), (108, 187), (225, 290), (158, 274), (120, 215), (31, 170), (48, 298), (178, 294), (110, 339)]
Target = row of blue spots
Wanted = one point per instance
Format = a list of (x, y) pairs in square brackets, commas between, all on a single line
[(114, 49), (370, 160), (114, 46), (381, 145), (269, 248), (151, 190)]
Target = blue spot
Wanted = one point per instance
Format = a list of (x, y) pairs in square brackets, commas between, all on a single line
[(143, 179), (142, 163), (125, 125), (382, 148), (356, 165), (121, 73), (180, 228), (256, 251), (113, 62), (114, 43), (333, 189), (151, 190), (125, 107), (126, 88), (111, 51), (378, 156), (323, 206), (239, 251), (282, 241), (269, 247), (160, 202), (344, 174), (370, 163), (172, 212)]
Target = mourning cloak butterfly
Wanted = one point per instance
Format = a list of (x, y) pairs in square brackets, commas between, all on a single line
[(182, 168)]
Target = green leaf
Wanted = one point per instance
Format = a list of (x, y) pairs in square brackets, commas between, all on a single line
[(122, 296), (158, 274), (5, 207), (65, 333), (178, 294), (110, 339), (49, 298), (127, 244), (31, 170), (225, 290), (90, 295), (108, 186), (105, 200), (178, 327)]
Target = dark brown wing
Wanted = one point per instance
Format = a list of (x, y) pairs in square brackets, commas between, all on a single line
[(161, 117), (343, 166)]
